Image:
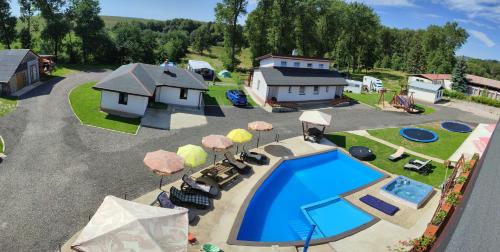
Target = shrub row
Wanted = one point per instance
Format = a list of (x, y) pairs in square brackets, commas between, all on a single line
[(478, 99)]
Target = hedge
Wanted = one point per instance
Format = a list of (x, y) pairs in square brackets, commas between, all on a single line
[(478, 99)]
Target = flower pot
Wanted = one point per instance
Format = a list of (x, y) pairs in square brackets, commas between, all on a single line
[(459, 188), (432, 230), (447, 208), (472, 164)]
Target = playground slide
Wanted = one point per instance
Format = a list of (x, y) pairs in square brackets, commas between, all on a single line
[(403, 101)]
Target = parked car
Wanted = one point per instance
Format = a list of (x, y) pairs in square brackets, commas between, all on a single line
[(237, 97)]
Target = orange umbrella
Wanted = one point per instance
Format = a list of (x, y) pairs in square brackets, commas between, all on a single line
[(163, 163), (260, 126), (217, 143)]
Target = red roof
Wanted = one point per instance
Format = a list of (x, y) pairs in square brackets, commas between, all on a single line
[(436, 76), (478, 80)]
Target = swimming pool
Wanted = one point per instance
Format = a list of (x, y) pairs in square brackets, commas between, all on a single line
[(293, 195), (407, 191)]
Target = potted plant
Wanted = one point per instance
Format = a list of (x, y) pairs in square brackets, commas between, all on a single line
[(435, 227), (453, 198), (422, 244), (459, 184)]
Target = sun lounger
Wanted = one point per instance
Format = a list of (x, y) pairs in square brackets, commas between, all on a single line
[(181, 198), (221, 173), (314, 135), (418, 162), (165, 202), (379, 204), (190, 185), (398, 154), (240, 166), (254, 157), (421, 167)]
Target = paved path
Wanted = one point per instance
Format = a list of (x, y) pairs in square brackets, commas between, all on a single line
[(58, 171), (384, 142)]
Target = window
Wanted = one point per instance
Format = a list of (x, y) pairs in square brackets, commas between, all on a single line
[(258, 84), (184, 94), (123, 98), (327, 88), (316, 90), (289, 89), (296, 64), (309, 65), (283, 63), (321, 66), (302, 90)]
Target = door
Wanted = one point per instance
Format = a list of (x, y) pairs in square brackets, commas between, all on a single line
[(33, 74), (20, 80)]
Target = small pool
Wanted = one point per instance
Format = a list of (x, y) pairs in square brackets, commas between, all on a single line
[(407, 191), (302, 191)]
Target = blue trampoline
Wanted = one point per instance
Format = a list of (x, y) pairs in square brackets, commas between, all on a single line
[(456, 127), (419, 135)]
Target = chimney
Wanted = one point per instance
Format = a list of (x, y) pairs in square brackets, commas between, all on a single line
[(166, 67)]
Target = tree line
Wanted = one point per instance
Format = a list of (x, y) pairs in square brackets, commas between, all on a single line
[(349, 33)]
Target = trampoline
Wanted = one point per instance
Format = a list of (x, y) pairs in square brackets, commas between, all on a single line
[(419, 135), (361, 152), (456, 127)]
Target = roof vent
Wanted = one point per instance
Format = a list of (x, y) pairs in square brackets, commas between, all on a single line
[(166, 67)]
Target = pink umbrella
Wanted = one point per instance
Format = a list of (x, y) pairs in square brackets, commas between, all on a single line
[(217, 143), (163, 163), (260, 126)]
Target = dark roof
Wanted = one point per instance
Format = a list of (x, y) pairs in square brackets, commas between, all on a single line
[(9, 62), (290, 57), (291, 76), (142, 79)]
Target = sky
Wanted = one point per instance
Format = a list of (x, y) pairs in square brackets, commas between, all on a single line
[(481, 18)]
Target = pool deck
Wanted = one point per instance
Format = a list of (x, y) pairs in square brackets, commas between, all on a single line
[(214, 225)]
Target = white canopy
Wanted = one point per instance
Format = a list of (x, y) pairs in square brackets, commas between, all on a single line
[(198, 64), (122, 225), (316, 117)]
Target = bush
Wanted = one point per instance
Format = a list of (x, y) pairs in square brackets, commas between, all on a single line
[(486, 100), (439, 217), (461, 180), (422, 244), (455, 94), (452, 198)]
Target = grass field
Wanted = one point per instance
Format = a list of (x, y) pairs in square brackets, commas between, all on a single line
[(371, 99), (1, 145), (7, 105), (213, 58), (216, 95), (391, 79), (85, 102), (443, 148), (63, 70), (382, 152)]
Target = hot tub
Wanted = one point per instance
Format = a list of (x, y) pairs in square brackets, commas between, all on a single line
[(407, 191)]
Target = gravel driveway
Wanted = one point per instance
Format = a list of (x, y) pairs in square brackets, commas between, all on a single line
[(58, 171)]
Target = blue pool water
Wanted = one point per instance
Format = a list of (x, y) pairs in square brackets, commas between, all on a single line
[(275, 212), (408, 190)]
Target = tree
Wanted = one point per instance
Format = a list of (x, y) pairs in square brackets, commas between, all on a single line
[(227, 14), (416, 59), (201, 38), (88, 24), (281, 36), (459, 82), (257, 30), (305, 24), (7, 24), (57, 24), (27, 11), (134, 44)]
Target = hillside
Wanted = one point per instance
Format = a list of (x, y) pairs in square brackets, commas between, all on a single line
[(110, 21)]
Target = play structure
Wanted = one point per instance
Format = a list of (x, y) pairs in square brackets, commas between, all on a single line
[(456, 127), (399, 101), (419, 135)]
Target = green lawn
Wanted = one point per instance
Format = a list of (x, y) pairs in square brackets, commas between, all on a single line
[(213, 58), (443, 148), (382, 152), (7, 105), (391, 79), (371, 99), (63, 70), (1, 146), (216, 95), (85, 102)]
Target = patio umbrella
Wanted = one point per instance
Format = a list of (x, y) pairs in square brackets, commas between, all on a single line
[(122, 225), (239, 136), (193, 155), (260, 126), (163, 163), (217, 143)]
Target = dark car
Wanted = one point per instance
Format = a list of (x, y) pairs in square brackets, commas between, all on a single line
[(237, 97)]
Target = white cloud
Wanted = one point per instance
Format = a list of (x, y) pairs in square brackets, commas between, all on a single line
[(473, 22), (402, 3), (489, 9), (482, 37)]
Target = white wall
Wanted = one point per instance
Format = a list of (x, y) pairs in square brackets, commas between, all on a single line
[(259, 89), (284, 95), (170, 95), (424, 95), (269, 62), (447, 84), (136, 104)]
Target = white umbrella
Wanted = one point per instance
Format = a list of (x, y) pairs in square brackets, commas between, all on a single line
[(122, 225), (316, 117)]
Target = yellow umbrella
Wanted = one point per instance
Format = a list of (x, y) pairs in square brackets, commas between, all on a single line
[(193, 155), (239, 136)]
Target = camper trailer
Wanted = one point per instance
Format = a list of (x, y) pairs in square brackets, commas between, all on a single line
[(372, 83), (353, 86)]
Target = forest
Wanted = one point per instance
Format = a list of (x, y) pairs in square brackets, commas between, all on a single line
[(348, 33)]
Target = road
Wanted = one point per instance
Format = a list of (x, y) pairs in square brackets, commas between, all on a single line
[(58, 171)]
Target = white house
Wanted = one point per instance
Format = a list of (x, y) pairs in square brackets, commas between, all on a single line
[(441, 79), (129, 89), (426, 92), (295, 79), (201, 67)]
